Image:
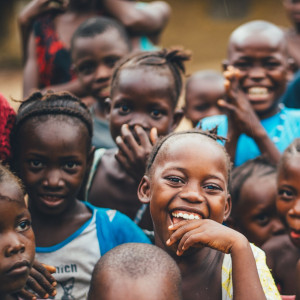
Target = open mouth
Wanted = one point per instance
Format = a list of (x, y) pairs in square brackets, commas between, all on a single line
[(52, 200), (295, 234), (258, 93), (180, 215)]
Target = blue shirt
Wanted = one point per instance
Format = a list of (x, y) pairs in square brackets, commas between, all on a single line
[(282, 128)]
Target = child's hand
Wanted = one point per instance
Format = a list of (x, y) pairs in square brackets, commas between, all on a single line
[(135, 149), (241, 116), (40, 281), (200, 233), (37, 7)]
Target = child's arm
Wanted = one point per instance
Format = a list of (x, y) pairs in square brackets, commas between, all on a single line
[(31, 12), (243, 119), (199, 233), (149, 20), (133, 154), (40, 281)]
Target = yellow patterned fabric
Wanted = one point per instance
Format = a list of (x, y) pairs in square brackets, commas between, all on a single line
[(265, 276)]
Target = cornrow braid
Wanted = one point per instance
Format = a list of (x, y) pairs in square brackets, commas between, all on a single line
[(172, 59), (54, 104), (211, 134)]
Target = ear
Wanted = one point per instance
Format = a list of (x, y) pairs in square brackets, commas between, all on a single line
[(144, 193), (225, 64), (291, 69), (228, 205), (107, 107), (177, 117)]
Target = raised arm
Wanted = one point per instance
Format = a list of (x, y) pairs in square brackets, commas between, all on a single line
[(148, 19)]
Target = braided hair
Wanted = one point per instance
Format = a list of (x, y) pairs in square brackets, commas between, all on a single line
[(210, 134), (40, 107), (165, 59)]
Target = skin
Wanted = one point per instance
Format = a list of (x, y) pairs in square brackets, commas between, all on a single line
[(201, 99), (144, 288), (94, 59), (52, 168), (255, 214), (131, 121), (261, 61), (284, 252), (190, 175), (17, 241)]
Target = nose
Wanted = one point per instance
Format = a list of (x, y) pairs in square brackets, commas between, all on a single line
[(295, 210), (138, 119), (191, 193), (278, 227), (103, 73), (13, 244), (257, 73), (53, 179)]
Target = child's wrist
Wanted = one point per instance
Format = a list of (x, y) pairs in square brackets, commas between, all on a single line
[(239, 244)]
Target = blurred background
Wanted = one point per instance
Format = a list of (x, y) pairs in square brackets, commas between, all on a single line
[(202, 26)]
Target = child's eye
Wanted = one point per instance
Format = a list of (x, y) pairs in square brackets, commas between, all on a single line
[(242, 65), (71, 165), (174, 179), (86, 68), (24, 225), (272, 64), (35, 163), (124, 109), (111, 61), (213, 187), (156, 113), (262, 219), (285, 194)]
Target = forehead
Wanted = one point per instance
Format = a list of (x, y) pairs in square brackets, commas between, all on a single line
[(145, 81), (271, 40), (290, 168), (204, 86), (205, 153), (110, 42), (11, 190)]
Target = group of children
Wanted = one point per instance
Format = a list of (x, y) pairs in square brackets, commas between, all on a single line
[(104, 182)]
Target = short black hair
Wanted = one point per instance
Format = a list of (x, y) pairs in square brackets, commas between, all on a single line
[(258, 168), (135, 261), (39, 107), (169, 59), (210, 134), (98, 25), (292, 150)]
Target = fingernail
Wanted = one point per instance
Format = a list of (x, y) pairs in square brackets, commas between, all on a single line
[(46, 296), (118, 139), (53, 293), (54, 283), (178, 252), (171, 226), (168, 242)]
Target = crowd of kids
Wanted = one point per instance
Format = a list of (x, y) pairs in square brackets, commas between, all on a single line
[(93, 170)]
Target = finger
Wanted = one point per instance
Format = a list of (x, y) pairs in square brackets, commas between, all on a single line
[(153, 135), (224, 104), (34, 285), (40, 285), (123, 148), (50, 269), (192, 238), (128, 137), (143, 137), (227, 85), (26, 295), (122, 161), (42, 270)]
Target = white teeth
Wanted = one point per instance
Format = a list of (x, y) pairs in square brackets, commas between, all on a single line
[(258, 91), (186, 216)]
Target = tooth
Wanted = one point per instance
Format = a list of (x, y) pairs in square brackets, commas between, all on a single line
[(197, 217), (258, 91), (180, 215), (186, 216)]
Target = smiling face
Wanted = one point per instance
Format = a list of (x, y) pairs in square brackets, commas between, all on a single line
[(201, 99), (53, 162), (288, 197), (255, 213), (17, 246), (95, 58), (142, 97), (262, 62), (188, 181)]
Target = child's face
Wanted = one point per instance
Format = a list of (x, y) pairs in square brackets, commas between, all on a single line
[(288, 197), (255, 215), (17, 240), (189, 180), (95, 58), (262, 62), (201, 99), (292, 8), (142, 98), (52, 163)]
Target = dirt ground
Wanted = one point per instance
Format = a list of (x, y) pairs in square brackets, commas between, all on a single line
[(190, 26)]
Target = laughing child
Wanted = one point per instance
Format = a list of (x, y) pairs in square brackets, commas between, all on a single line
[(255, 122), (145, 90), (186, 184), (283, 252), (52, 150)]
